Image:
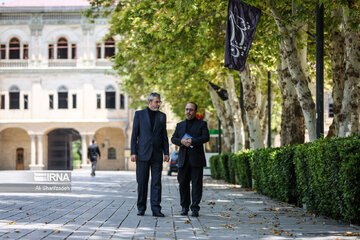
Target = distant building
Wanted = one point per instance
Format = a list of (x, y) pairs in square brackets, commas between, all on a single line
[(55, 89)]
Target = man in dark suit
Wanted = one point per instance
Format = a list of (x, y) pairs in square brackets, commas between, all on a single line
[(149, 142), (190, 135), (93, 155)]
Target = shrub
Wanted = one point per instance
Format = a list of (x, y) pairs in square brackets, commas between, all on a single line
[(243, 171), (224, 167), (214, 166)]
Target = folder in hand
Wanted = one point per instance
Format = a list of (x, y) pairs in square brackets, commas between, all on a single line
[(187, 136)]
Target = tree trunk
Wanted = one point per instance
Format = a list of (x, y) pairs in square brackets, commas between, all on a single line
[(338, 69), (297, 74), (224, 114), (292, 119), (252, 109), (234, 105), (349, 116), (263, 118)]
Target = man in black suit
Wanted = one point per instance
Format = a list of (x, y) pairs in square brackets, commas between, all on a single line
[(149, 142), (93, 155), (190, 135)]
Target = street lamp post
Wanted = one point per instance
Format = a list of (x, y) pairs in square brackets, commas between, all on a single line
[(319, 69)]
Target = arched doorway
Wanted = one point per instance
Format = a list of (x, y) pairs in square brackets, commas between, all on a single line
[(15, 147), (60, 156), (20, 159)]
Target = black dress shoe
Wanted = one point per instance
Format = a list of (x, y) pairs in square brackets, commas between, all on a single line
[(158, 214), (141, 213), (195, 214), (184, 212)]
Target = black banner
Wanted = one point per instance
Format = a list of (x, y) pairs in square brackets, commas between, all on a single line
[(222, 93), (241, 26)]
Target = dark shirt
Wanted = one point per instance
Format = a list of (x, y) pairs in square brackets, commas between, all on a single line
[(188, 124), (152, 116)]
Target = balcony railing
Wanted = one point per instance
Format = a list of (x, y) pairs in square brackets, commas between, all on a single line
[(103, 63), (14, 63), (62, 63)]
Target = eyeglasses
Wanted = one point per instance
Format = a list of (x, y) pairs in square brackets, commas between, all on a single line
[(157, 102)]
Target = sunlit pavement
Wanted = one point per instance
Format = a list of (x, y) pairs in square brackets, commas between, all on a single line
[(104, 207)]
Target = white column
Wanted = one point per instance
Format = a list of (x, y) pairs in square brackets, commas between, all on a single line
[(21, 51), (83, 150), (32, 47), (32, 151), (102, 50), (7, 50), (69, 50), (55, 50), (40, 151), (91, 137)]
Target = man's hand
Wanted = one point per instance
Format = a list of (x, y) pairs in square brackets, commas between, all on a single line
[(133, 158), (166, 158), (186, 142), (88, 161)]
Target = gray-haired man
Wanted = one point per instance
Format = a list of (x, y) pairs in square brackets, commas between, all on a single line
[(149, 147)]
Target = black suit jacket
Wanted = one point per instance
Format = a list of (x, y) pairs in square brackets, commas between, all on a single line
[(146, 141), (93, 152), (200, 135)]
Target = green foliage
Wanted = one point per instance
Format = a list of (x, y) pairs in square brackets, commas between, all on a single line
[(214, 166), (243, 171), (273, 172), (349, 178), (324, 175), (327, 171), (224, 168)]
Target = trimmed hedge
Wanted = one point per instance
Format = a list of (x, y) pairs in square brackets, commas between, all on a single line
[(214, 166), (324, 175), (328, 175), (225, 164), (243, 171)]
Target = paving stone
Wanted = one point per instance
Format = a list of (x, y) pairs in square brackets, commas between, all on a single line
[(104, 207)]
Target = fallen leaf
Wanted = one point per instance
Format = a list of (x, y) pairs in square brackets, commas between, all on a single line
[(168, 234), (351, 234), (57, 231), (187, 222), (12, 223)]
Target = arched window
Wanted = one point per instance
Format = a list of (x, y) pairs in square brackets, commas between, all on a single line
[(109, 47), (14, 96), (112, 153), (14, 48), (110, 97), (62, 48), (62, 97)]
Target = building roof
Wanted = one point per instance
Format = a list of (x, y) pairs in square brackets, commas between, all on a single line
[(43, 6), (43, 3)]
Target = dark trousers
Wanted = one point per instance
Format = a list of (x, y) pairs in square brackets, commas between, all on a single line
[(142, 177), (186, 174), (93, 166)]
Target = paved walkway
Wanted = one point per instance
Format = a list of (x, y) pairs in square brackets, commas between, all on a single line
[(104, 207)]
